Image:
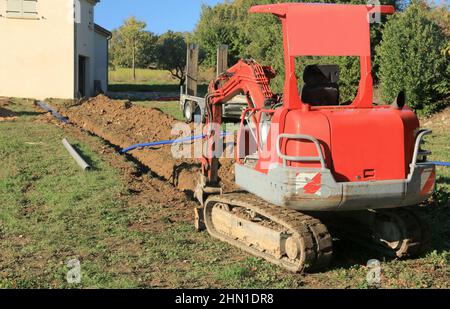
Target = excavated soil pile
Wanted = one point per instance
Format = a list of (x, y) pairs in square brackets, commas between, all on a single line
[(123, 124)]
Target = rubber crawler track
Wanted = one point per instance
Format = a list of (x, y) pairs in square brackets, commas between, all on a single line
[(315, 238), (416, 234)]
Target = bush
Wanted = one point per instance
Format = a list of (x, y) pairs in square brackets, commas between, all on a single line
[(259, 36), (412, 57)]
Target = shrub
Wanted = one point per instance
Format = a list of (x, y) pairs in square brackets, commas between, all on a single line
[(412, 57)]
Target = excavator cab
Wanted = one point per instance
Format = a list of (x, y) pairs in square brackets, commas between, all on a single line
[(321, 85)]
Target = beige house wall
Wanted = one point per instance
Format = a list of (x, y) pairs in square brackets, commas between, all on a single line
[(85, 44), (37, 55)]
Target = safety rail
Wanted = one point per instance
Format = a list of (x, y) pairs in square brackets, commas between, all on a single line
[(287, 158), (419, 139)]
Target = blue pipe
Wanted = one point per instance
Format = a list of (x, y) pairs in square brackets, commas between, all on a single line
[(55, 114), (169, 142), (446, 164)]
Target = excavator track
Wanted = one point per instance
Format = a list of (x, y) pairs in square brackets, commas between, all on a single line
[(284, 237), (398, 233), (415, 235)]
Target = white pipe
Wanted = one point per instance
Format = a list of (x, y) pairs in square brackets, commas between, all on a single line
[(75, 155)]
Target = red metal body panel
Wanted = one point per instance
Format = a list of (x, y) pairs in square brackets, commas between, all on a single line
[(309, 33), (372, 144), (358, 144)]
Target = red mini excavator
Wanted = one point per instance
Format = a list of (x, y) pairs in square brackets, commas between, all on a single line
[(305, 155)]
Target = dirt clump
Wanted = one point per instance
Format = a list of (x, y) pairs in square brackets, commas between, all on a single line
[(124, 124)]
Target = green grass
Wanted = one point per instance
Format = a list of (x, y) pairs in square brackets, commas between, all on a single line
[(439, 144), (144, 76), (143, 88), (51, 212), (121, 80), (170, 108)]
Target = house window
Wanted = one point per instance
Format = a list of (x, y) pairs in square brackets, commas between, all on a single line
[(22, 9)]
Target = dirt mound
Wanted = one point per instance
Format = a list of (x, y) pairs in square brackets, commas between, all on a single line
[(124, 124)]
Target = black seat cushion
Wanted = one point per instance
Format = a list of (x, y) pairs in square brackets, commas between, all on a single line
[(321, 85)]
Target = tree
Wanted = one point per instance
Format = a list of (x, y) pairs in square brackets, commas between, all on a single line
[(146, 55), (440, 14), (259, 36), (219, 25), (171, 54), (413, 58), (131, 44), (117, 53)]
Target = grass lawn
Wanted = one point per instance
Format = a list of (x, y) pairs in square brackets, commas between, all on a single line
[(145, 76), (121, 80), (171, 108), (51, 212)]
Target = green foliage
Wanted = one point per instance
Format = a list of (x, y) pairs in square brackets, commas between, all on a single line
[(146, 55), (259, 36), (171, 52), (440, 14), (413, 57), (132, 46), (218, 24)]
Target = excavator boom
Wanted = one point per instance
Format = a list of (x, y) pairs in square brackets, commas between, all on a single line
[(246, 77)]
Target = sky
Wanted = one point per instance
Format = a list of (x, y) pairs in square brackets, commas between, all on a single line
[(160, 15)]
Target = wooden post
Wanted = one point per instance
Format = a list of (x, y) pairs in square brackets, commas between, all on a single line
[(222, 59), (192, 70)]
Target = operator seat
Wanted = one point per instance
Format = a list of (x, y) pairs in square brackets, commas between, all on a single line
[(321, 86)]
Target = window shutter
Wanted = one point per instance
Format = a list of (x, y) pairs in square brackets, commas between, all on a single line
[(29, 9), (22, 9), (14, 8)]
